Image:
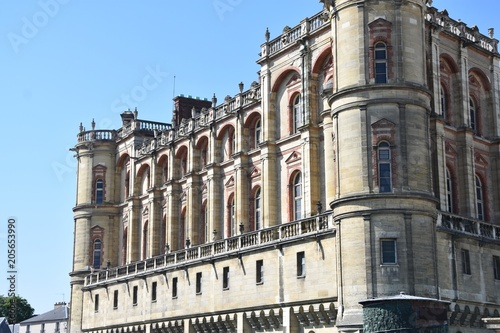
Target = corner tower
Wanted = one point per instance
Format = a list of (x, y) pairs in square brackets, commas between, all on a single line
[(380, 107), (95, 212)]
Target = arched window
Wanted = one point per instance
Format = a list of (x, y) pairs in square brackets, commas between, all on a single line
[(297, 114), (380, 65), (99, 191), (297, 196), (97, 252), (384, 168), (472, 115), (257, 210), (449, 192), (479, 199), (444, 102)]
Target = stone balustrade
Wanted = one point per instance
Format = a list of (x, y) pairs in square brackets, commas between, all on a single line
[(466, 226), (309, 227)]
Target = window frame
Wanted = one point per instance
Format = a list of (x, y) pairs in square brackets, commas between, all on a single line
[(479, 198), (296, 113), (465, 260), (199, 279), (259, 271), (449, 191), (115, 300), (257, 204), (97, 253), (225, 278), (496, 267), (99, 191), (380, 62), (297, 196), (301, 264), (154, 291), (388, 256), (175, 282), (135, 295), (382, 162), (96, 303)]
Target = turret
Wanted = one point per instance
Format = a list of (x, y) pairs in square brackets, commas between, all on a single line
[(380, 107)]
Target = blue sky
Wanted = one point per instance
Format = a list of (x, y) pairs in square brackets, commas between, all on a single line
[(63, 62)]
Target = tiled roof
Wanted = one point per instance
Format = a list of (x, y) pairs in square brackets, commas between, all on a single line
[(57, 314)]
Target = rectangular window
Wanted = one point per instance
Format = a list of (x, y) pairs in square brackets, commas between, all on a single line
[(198, 283), (496, 267), (57, 327), (259, 268), (174, 287), (134, 295), (96, 303), (115, 299), (388, 251), (153, 291), (225, 278), (301, 264), (42, 328), (465, 262)]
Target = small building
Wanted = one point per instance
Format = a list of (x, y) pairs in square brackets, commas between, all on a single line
[(4, 325), (53, 321)]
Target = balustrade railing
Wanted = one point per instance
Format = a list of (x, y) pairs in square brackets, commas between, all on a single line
[(97, 135), (459, 224), (302, 228)]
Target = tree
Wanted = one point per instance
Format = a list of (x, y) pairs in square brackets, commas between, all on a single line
[(15, 308)]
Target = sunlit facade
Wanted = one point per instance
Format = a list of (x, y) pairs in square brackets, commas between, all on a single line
[(362, 162)]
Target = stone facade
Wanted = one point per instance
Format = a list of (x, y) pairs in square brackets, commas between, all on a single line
[(362, 163)]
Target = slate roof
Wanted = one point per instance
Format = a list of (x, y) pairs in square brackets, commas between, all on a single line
[(4, 325), (57, 314)]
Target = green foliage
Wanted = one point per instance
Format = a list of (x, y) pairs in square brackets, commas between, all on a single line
[(15, 308)]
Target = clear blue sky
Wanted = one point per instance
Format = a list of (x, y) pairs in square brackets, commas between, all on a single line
[(77, 60)]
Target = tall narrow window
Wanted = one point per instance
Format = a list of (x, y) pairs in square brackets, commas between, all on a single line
[(259, 271), (154, 286), (225, 278), (204, 223), (297, 196), (384, 168), (380, 63), (231, 217), (134, 295), (496, 267), (145, 240), (96, 263), (466, 262), (479, 199), (301, 264), (198, 283), (388, 252), (444, 102), (99, 191), (472, 114), (257, 133), (449, 192), (96, 303), (297, 114), (257, 213), (115, 299), (174, 287)]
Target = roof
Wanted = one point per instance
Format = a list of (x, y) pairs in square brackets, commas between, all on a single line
[(4, 325), (57, 314)]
